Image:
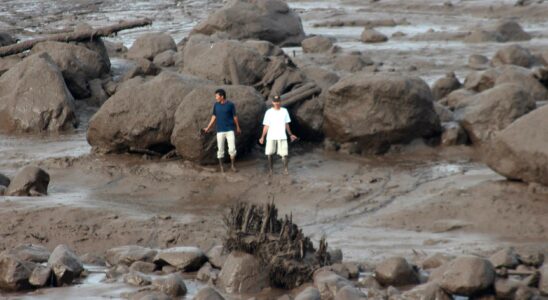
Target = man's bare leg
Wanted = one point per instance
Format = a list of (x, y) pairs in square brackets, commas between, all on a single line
[(232, 161), (221, 168), (286, 163), (270, 165)]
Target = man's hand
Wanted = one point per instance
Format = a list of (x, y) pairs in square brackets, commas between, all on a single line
[(238, 130), (205, 129), (261, 140), (293, 137)]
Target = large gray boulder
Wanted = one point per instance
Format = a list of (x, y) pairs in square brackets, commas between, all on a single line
[(65, 264), (377, 110), (77, 63), (309, 118), (243, 273), (503, 31), (269, 20), (8, 62), (396, 271), (520, 151), (504, 258), (468, 276), (29, 181), (223, 61), (34, 98), (494, 110), (194, 113), (140, 116), (187, 259), (513, 55), (126, 255), (150, 44), (321, 76), (14, 273)]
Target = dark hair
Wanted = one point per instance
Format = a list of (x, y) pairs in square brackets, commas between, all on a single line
[(221, 93), (276, 98)]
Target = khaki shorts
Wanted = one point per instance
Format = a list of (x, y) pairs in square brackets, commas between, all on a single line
[(276, 146), (231, 141)]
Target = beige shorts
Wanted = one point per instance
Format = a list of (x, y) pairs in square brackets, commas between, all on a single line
[(231, 141), (276, 146)]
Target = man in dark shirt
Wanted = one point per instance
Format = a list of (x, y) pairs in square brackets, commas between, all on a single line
[(224, 114)]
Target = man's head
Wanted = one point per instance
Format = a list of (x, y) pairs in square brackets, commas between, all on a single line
[(220, 95), (277, 102)]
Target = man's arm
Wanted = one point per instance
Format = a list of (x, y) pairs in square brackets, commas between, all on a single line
[(211, 122), (238, 130), (265, 130), (291, 135)]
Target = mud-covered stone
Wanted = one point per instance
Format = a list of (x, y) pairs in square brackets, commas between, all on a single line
[(268, 20), (207, 273), (143, 267), (148, 45), (136, 278), (208, 293), (140, 115), (194, 113), (378, 110), (310, 293), (65, 264), (40, 276), (216, 256), (29, 181), (467, 276), (30, 252), (520, 152), (14, 273), (316, 44), (242, 273), (513, 55), (505, 258), (126, 255), (172, 285), (165, 59), (329, 283), (445, 85), (34, 98), (524, 78), (493, 110), (350, 293), (396, 271), (427, 291), (370, 35), (186, 259)]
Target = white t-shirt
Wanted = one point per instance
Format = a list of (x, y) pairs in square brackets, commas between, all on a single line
[(276, 120)]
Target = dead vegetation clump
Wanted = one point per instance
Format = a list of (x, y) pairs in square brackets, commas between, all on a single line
[(287, 253)]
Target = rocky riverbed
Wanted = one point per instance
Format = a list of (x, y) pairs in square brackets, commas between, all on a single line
[(425, 190)]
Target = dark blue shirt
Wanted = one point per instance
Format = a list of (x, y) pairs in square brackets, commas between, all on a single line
[(225, 116)]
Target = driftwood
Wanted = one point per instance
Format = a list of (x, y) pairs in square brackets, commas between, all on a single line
[(73, 36), (299, 94), (288, 255)]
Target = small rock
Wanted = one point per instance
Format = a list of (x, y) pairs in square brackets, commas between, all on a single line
[(506, 258), (40, 276), (310, 293), (128, 254), (216, 256), (329, 283), (14, 273), (31, 252), (373, 36), (350, 293), (468, 275), (242, 273), (65, 265), (335, 255), (208, 293), (137, 279), (396, 271), (172, 285), (187, 259), (207, 272), (142, 267), (435, 260), (29, 181)]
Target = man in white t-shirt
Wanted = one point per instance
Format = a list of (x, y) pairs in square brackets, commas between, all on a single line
[(276, 123)]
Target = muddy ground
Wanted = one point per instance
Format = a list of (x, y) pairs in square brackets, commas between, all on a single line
[(414, 201)]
